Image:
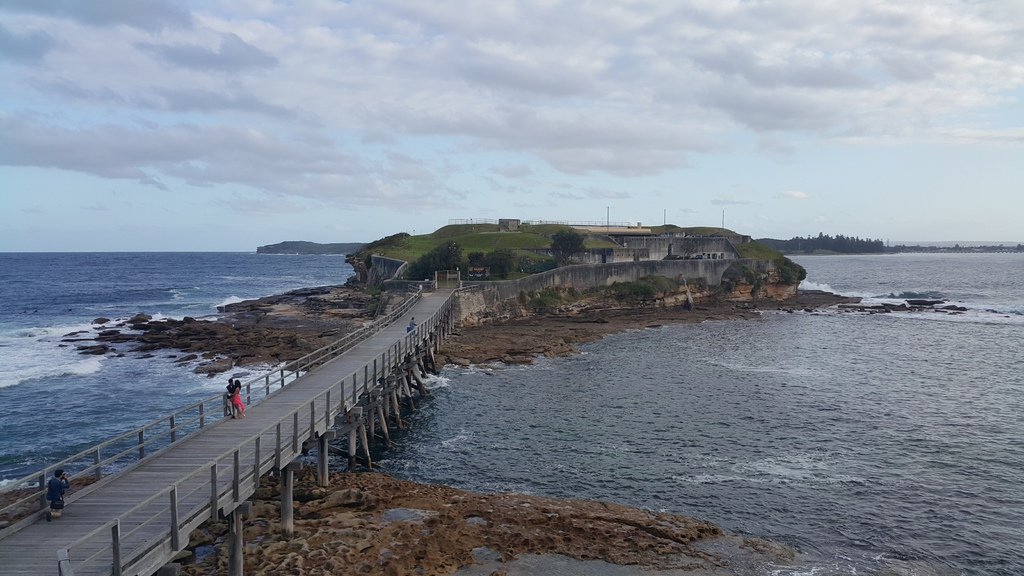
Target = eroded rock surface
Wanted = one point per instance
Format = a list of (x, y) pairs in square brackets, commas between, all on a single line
[(373, 524)]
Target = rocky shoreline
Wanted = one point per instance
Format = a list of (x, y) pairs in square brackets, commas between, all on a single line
[(520, 340), (265, 331), (372, 524), (284, 327)]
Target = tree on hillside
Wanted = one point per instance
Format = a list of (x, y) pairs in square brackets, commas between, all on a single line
[(447, 256), (565, 243)]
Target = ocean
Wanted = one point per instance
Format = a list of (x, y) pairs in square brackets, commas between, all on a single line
[(888, 444), (56, 401)]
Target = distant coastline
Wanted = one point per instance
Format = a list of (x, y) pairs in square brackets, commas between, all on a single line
[(901, 249), (303, 247)]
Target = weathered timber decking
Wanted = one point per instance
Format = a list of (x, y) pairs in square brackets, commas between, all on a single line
[(150, 508)]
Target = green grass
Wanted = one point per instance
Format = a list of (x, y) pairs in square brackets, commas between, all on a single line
[(479, 238), (757, 251), (693, 230)]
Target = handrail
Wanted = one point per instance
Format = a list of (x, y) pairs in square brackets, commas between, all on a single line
[(335, 406), (293, 368)]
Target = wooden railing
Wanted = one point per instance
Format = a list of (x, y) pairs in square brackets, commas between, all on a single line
[(125, 544), (134, 446)]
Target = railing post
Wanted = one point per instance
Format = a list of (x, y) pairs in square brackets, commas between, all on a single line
[(354, 400), (248, 393), (174, 430), (142, 444), (115, 547), (236, 480), (64, 563), (366, 376), (42, 486), (256, 465), (214, 496), (327, 410), (277, 447), (96, 462), (312, 418), (202, 414), (295, 432), (175, 533)]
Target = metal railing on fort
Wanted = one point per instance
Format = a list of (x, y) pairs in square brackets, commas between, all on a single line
[(136, 445), (127, 543)]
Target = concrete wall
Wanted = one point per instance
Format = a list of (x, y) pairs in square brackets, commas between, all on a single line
[(499, 300), (383, 269), (660, 247), (587, 276), (600, 255)]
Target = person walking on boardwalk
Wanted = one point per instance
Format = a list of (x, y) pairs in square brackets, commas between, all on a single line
[(411, 326), (55, 493), (236, 400)]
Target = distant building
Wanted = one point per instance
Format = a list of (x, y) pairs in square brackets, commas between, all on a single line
[(508, 224)]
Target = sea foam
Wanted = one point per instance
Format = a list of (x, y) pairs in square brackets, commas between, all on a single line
[(231, 300), (35, 352)]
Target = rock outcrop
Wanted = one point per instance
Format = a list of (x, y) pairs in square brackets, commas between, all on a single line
[(377, 525), (268, 330)]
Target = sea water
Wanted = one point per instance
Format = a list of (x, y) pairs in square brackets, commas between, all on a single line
[(55, 401), (888, 444), (872, 443)]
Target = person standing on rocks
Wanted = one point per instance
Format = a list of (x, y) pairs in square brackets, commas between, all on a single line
[(236, 400), (55, 493)]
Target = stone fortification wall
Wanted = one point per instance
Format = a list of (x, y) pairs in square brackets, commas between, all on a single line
[(599, 255), (497, 300), (660, 247), (383, 269)]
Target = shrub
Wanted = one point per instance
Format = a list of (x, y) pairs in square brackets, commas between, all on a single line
[(447, 256), (548, 299), (565, 243), (789, 272)]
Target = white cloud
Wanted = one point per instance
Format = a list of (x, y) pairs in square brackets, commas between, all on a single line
[(795, 194), (316, 99), (720, 201)]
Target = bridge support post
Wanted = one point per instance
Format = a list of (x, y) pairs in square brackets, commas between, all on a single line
[(366, 444), (395, 409), (287, 498), (236, 564), (322, 474), (383, 422), (354, 421)]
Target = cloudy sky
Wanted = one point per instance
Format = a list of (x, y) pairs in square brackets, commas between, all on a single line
[(223, 125)]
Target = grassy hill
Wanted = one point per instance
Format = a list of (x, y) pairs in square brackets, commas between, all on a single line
[(475, 238), (487, 239)]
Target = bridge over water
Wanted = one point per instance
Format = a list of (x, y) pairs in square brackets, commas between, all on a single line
[(175, 473)]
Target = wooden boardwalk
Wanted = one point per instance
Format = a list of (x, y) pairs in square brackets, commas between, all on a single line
[(134, 521)]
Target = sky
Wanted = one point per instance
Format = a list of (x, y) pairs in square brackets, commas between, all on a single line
[(163, 125)]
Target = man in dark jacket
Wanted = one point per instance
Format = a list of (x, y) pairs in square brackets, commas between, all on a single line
[(55, 493)]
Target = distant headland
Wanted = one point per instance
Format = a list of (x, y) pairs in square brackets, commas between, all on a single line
[(302, 247)]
